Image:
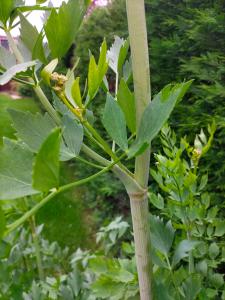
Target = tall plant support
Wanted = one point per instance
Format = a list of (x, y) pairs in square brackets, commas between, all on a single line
[(139, 201)]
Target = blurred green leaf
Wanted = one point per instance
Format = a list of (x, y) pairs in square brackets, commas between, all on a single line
[(214, 250), (32, 129), (28, 33), (73, 136), (162, 235), (126, 101), (192, 287), (114, 122), (182, 250), (8, 75), (156, 200), (6, 8), (2, 222), (62, 27), (15, 171), (75, 91), (46, 164)]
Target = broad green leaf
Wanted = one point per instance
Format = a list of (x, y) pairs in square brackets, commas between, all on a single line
[(75, 91), (62, 27), (73, 137), (32, 129), (217, 280), (38, 50), (182, 250), (92, 78), (46, 164), (6, 8), (28, 33), (161, 291), (114, 122), (32, 39), (192, 287), (220, 228), (2, 222), (126, 101), (96, 72), (156, 114), (156, 200), (8, 75), (105, 288), (102, 63), (214, 250), (162, 235), (48, 70), (7, 59), (15, 171)]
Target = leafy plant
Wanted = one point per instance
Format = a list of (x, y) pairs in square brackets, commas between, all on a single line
[(34, 159)]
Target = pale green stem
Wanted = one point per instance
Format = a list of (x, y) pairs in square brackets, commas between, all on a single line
[(139, 201), (116, 91), (47, 105), (37, 248), (14, 48)]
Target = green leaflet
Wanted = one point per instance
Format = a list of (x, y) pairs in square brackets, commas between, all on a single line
[(156, 114), (75, 91), (115, 123), (62, 27), (182, 250), (8, 75), (73, 137), (15, 171), (32, 129), (6, 8), (46, 164), (32, 39), (126, 101), (96, 72), (192, 286), (162, 235), (28, 33), (2, 222)]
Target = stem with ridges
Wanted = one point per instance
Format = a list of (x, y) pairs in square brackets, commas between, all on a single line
[(37, 248), (139, 202)]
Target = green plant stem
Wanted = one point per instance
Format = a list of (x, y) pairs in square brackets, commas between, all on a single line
[(171, 272), (47, 105), (139, 201), (53, 194), (14, 47), (37, 248)]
